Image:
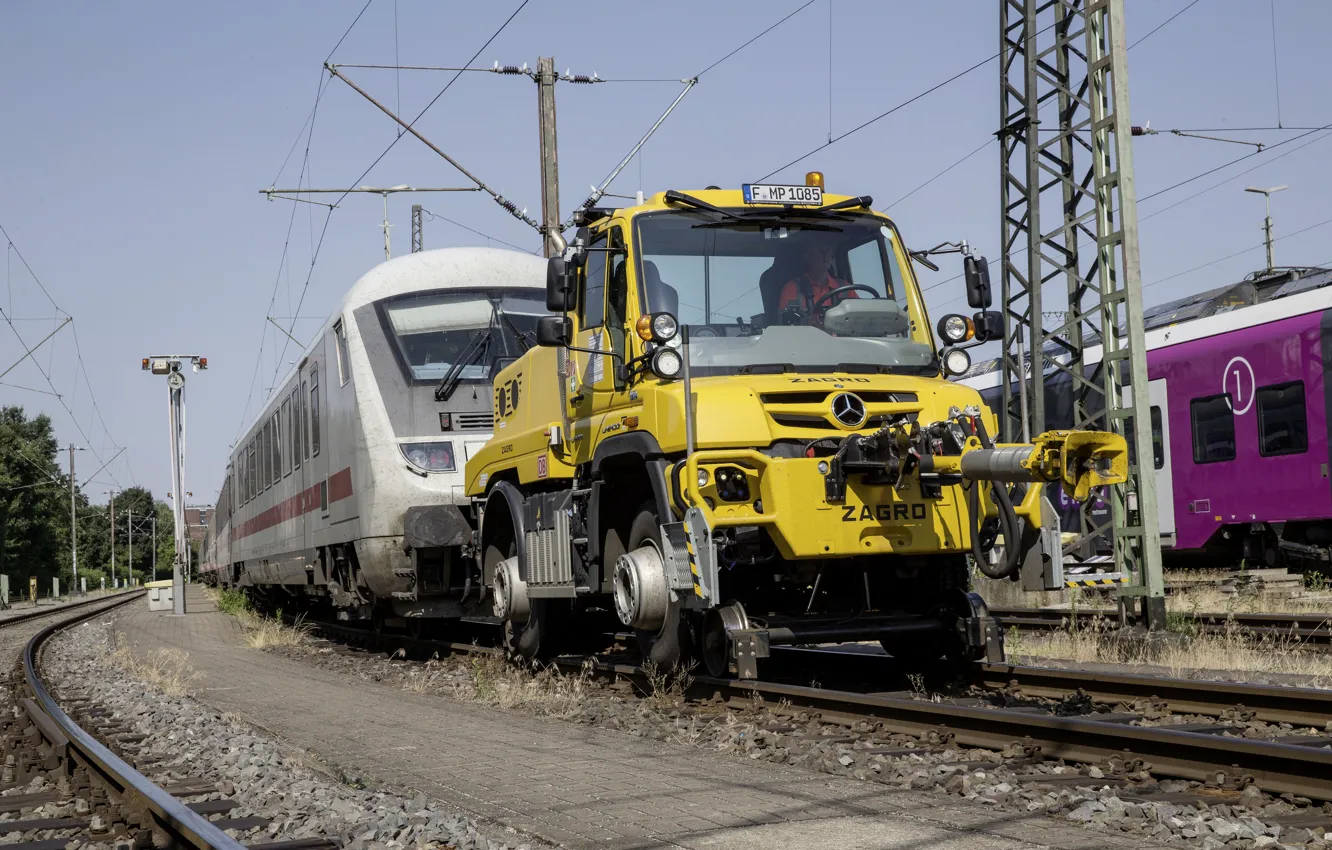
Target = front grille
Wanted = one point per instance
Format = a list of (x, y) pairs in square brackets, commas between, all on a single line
[(817, 396), (796, 420), (475, 421)]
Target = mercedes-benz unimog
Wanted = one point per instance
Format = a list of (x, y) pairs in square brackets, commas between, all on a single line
[(738, 431)]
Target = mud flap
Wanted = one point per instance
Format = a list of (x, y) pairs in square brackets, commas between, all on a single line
[(1042, 552)]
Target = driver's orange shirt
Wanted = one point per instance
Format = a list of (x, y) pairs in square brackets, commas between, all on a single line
[(792, 293)]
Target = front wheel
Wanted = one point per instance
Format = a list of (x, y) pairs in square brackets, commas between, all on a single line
[(672, 644), (534, 639)]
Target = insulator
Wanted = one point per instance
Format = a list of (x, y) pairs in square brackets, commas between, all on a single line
[(1141, 131), (508, 69)]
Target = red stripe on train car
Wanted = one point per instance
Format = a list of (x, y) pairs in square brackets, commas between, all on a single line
[(304, 502)]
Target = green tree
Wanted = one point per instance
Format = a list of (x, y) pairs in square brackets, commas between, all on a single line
[(34, 506)]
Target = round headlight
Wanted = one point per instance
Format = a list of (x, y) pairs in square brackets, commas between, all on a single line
[(955, 329), (957, 361), (664, 327), (702, 478), (666, 362)]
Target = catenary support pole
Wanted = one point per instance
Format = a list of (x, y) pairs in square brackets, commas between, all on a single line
[(550, 185)]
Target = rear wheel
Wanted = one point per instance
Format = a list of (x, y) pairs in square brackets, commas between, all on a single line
[(672, 644)]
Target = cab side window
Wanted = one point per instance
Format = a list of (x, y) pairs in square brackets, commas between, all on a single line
[(617, 293), (592, 300)]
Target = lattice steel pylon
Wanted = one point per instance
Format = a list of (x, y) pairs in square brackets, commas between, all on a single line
[(1070, 226), (418, 238)]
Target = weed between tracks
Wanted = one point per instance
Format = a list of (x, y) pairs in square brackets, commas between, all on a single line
[(166, 670), (1234, 649), (260, 632)]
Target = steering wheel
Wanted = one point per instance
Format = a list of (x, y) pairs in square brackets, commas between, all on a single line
[(818, 302)]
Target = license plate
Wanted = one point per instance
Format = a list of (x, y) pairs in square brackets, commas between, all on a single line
[(757, 193)]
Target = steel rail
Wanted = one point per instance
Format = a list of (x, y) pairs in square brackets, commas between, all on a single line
[(174, 816), (1271, 703), (1273, 766)]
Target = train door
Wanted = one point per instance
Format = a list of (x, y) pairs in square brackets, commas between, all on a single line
[(1159, 407)]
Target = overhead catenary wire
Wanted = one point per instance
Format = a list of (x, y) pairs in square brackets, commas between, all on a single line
[(959, 75), (434, 215), (1240, 252), (46, 372), (436, 98)]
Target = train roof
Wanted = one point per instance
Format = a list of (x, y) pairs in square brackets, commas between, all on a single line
[(1256, 289), (442, 268)]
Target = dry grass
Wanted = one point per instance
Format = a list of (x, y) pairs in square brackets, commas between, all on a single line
[(494, 680), (1231, 650), (165, 670), (261, 632)]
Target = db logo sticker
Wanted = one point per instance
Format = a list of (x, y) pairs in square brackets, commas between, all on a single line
[(541, 466)]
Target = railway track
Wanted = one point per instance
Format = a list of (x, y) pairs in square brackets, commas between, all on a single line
[(1126, 725), (85, 760), (1312, 628)]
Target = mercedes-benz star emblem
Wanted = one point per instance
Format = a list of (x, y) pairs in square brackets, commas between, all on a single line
[(848, 409)]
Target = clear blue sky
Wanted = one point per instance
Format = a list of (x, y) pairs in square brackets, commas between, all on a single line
[(137, 135)]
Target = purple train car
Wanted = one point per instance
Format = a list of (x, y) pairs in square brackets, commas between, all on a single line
[(1240, 420)]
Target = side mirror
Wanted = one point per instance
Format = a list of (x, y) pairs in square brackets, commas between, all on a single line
[(559, 285), (553, 331), (989, 325), (977, 271)]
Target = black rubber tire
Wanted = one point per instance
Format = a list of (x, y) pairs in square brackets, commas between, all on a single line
[(533, 641), (672, 644)]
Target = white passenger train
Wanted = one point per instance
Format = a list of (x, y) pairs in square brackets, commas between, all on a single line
[(347, 488)]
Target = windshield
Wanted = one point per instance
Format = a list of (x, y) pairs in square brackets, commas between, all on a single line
[(785, 292), (431, 332)]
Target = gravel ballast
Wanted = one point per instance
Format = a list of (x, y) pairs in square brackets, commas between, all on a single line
[(299, 796), (1101, 798)]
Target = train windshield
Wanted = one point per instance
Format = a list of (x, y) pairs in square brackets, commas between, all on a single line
[(786, 291), (434, 331)]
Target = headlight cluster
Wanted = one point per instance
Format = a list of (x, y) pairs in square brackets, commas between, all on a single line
[(732, 485), (429, 457), (955, 329)]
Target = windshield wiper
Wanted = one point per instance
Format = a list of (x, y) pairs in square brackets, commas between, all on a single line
[(474, 350), (478, 349), (674, 197)]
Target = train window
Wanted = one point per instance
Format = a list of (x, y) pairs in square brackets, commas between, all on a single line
[(1158, 438), (592, 303), (286, 437), (344, 365), (293, 414), (275, 446), (314, 412), (265, 458), (1283, 427), (305, 435), (250, 465), (1213, 429)]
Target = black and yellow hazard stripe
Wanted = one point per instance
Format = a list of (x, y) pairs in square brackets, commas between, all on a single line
[(693, 562), (1095, 582)]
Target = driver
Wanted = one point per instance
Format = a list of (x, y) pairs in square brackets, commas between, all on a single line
[(813, 282)]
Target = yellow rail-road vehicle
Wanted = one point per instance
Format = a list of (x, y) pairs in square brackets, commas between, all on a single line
[(825, 483)]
